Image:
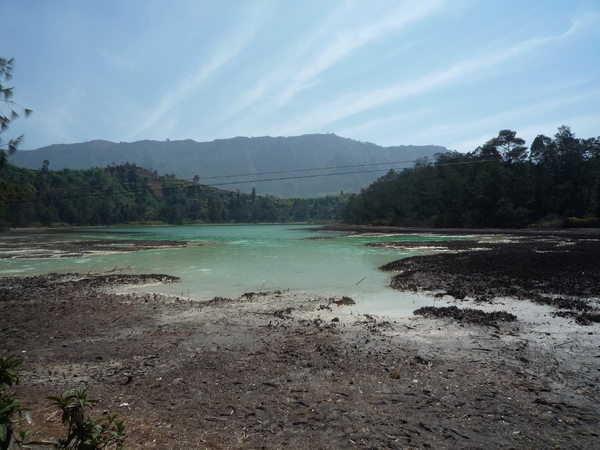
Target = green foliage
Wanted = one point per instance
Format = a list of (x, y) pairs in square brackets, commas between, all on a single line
[(10, 406), (86, 433), (83, 433), (8, 110), (8, 371), (500, 184), (128, 194)]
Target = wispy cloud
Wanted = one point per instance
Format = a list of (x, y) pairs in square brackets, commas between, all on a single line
[(117, 60), (322, 49), (518, 119), (585, 125), (378, 124), (347, 41), (582, 125), (224, 54), (185, 88), (467, 70)]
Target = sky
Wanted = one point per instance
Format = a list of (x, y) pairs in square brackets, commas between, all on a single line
[(451, 73)]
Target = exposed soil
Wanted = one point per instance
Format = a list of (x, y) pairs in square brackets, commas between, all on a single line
[(17, 248), (283, 370), (553, 271)]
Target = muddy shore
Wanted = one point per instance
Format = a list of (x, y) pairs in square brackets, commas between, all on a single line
[(15, 247), (283, 370)]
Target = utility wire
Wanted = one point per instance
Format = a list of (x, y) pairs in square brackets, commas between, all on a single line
[(296, 177), (332, 174), (260, 173), (309, 170), (162, 188)]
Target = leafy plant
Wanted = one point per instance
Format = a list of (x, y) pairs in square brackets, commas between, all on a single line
[(82, 434), (8, 109), (86, 433), (10, 406)]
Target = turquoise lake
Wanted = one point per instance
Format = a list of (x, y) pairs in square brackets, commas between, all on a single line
[(250, 258)]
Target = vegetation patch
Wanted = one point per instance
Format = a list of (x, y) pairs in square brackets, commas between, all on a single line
[(501, 184), (128, 194)]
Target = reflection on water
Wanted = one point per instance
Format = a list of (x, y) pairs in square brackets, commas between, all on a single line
[(252, 258)]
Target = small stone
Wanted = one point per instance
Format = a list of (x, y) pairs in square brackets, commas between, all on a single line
[(570, 420)]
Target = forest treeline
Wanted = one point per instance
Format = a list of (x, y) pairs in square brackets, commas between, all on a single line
[(555, 182), (126, 194), (504, 184)]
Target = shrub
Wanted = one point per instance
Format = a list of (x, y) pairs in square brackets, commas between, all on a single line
[(83, 433)]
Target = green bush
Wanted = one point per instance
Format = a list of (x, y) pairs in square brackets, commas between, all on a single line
[(86, 433), (83, 433), (10, 406)]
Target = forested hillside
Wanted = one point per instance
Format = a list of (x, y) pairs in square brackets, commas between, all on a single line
[(128, 194), (239, 156), (556, 182), (503, 184)]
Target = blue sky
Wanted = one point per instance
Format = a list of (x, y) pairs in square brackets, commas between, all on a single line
[(449, 73)]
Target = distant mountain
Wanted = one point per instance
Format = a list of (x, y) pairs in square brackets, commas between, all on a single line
[(242, 156)]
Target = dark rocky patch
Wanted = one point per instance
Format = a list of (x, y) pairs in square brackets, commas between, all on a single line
[(11, 248), (55, 285), (470, 315), (344, 301), (549, 270)]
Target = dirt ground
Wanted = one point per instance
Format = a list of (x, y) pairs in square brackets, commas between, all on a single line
[(283, 370)]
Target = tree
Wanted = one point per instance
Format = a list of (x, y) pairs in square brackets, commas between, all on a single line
[(8, 111), (542, 149), (9, 191), (500, 184), (507, 145)]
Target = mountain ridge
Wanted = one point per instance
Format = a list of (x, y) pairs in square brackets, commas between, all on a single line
[(240, 156)]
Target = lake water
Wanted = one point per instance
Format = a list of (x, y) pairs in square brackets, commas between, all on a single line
[(252, 258)]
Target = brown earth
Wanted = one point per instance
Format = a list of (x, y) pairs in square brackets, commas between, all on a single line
[(284, 370)]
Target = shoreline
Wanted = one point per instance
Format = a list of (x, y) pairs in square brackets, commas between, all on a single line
[(275, 369), (271, 369), (375, 229)]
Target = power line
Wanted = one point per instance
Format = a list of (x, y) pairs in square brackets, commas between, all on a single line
[(162, 188), (311, 169), (338, 173), (258, 173), (297, 177)]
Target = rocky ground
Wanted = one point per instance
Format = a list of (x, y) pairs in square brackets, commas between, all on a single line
[(546, 270), (282, 370), (16, 247)]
